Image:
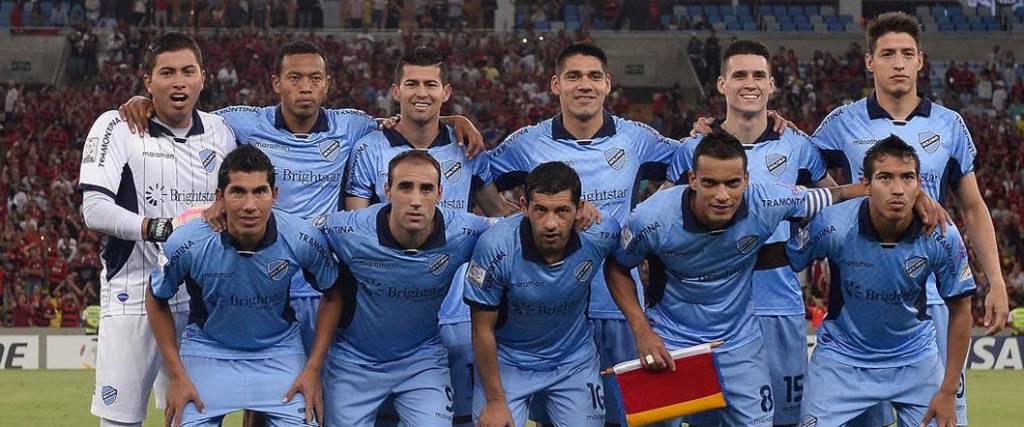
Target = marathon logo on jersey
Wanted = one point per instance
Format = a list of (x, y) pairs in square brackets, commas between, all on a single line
[(583, 270), (320, 221), (108, 394), (746, 244), (929, 141), (155, 194), (89, 151), (452, 170), (616, 157), (329, 149), (208, 158), (277, 269), (438, 264), (914, 266), (476, 274), (776, 163)]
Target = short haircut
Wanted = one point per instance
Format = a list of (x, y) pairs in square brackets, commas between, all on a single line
[(297, 47), (719, 145), (890, 146), (580, 48), (423, 56), (413, 156), (245, 158), (746, 47), (171, 41), (892, 22), (553, 178)]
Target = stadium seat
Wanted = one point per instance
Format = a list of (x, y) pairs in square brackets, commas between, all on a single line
[(816, 19), (973, 19), (804, 26), (947, 27), (846, 19), (718, 26), (572, 25), (679, 10), (812, 9), (666, 20), (931, 27), (942, 19), (977, 26), (828, 10), (835, 27), (571, 13), (714, 18), (772, 26), (733, 26), (727, 10), (993, 26), (1017, 28), (787, 26), (784, 18), (800, 18), (769, 18), (542, 26), (795, 9), (852, 27), (557, 25), (984, 11), (779, 9), (962, 26), (694, 10), (831, 19), (752, 26), (970, 11), (763, 9), (730, 18), (922, 10), (820, 27), (743, 10)]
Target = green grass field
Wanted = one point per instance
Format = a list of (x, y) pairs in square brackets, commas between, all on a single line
[(61, 398)]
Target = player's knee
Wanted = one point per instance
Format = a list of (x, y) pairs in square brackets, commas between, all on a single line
[(111, 423)]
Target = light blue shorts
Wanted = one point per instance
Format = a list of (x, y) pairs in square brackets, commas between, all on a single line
[(837, 393), (227, 386), (747, 387), (419, 385), (785, 342), (572, 393)]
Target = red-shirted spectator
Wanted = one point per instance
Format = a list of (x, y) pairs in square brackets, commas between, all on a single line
[(70, 311), (22, 312)]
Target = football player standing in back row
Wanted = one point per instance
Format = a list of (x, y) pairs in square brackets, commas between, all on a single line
[(132, 186), (943, 144), (610, 154)]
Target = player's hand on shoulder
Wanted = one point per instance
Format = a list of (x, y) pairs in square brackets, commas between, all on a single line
[(496, 414), (467, 136), (942, 410), (136, 113), (587, 215), (781, 123), (215, 216), (652, 352), (180, 392), (702, 126), (308, 385), (388, 122), (932, 214)]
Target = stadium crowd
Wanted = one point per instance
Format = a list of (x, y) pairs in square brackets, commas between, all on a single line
[(50, 262)]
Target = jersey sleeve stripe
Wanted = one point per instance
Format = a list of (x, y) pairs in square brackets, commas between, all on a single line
[(90, 187)]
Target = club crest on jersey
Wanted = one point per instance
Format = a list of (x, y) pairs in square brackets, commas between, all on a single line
[(476, 274), (89, 151), (914, 266), (616, 157), (320, 221), (277, 269), (155, 194), (208, 157), (108, 394), (929, 141), (776, 164), (583, 270), (438, 264), (746, 244), (452, 170), (329, 149)]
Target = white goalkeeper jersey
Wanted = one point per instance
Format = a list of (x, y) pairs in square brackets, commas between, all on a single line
[(155, 175)]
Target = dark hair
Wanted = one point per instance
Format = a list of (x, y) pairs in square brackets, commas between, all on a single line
[(746, 47), (891, 146), (719, 145), (414, 156), (423, 56), (580, 48), (171, 41), (245, 158), (553, 178), (297, 47), (892, 22)]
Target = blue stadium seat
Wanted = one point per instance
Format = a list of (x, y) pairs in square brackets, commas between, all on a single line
[(542, 26), (787, 26), (1019, 12), (572, 25), (744, 10), (835, 27), (795, 9), (962, 26), (733, 26), (812, 9), (783, 18), (746, 18), (942, 19), (666, 20), (954, 10), (694, 10), (714, 18), (947, 27), (779, 9), (571, 13), (993, 26), (800, 18), (730, 18), (804, 26), (520, 19), (46, 7), (974, 19), (977, 26), (749, 26), (727, 10), (831, 19), (763, 9), (846, 19)]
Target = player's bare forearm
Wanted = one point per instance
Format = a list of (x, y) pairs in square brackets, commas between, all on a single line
[(982, 233), (485, 351), (959, 338), (849, 191), (327, 317), (161, 321), (826, 182), (355, 203), (490, 203), (623, 290)]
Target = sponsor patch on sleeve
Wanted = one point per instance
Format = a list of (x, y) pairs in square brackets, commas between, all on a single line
[(476, 274), (627, 237), (965, 271)]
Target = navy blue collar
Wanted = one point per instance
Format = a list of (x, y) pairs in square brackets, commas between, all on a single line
[(691, 224), (319, 126), (769, 133), (558, 130), (157, 129), (867, 228), (530, 251), (269, 237), (396, 139), (875, 111), (386, 239)]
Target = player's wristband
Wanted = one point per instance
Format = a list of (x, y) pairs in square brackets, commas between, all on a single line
[(159, 229)]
